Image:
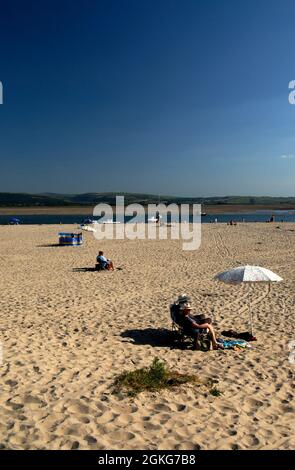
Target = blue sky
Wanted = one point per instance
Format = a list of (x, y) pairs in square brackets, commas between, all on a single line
[(168, 96)]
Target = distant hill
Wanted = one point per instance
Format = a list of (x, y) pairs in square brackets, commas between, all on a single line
[(90, 199), (25, 200)]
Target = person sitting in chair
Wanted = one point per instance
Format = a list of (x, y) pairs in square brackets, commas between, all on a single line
[(196, 323), (177, 306), (104, 263)]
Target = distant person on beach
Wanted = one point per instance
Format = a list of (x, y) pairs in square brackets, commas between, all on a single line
[(194, 325), (104, 263)]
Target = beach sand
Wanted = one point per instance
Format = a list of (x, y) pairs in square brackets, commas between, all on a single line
[(88, 210), (66, 333)]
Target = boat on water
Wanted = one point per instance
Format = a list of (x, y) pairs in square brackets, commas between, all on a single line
[(89, 222), (155, 219), (87, 228), (110, 221)]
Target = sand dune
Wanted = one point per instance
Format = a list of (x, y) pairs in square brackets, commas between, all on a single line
[(67, 332)]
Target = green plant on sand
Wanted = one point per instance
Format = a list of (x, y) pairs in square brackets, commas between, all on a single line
[(153, 378), (215, 392)]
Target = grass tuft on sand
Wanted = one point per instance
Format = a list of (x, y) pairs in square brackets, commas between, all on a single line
[(152, 379), (215, 392)]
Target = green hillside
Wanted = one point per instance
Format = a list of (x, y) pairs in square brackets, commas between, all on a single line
[(90, 199)]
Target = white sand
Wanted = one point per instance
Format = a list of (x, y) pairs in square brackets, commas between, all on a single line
[(67, 334)]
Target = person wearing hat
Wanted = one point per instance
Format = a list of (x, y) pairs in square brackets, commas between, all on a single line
[(195, 323), (183, 299), (178, 305)]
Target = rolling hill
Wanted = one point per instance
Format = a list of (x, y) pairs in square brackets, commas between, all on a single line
[(90, 199)]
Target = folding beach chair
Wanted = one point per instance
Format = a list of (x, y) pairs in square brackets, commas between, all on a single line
[(182, 333)]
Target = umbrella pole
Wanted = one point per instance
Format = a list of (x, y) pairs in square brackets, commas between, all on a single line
[(250, 312)]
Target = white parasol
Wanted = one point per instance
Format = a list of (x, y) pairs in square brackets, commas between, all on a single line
[(249, 274)]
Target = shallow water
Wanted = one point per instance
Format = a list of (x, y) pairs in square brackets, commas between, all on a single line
[(258, 216)]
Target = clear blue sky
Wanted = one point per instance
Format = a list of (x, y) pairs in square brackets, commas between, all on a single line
[(161, 96)]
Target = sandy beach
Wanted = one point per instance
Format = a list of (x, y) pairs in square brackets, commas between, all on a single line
[(66, 333), (88, 210)]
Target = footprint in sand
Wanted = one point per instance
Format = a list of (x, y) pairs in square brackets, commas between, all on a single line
[(121, 436), (11, 383), (250, 441), (15, 406), (78, 408), (31, 400), (75, 445)]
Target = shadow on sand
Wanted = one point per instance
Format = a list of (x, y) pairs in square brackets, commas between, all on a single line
[(49, 245), (85, 270), (159, 338), (91, 270)]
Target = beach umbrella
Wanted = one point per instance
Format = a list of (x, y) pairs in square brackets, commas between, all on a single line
[(87, 221), (250, 275)]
